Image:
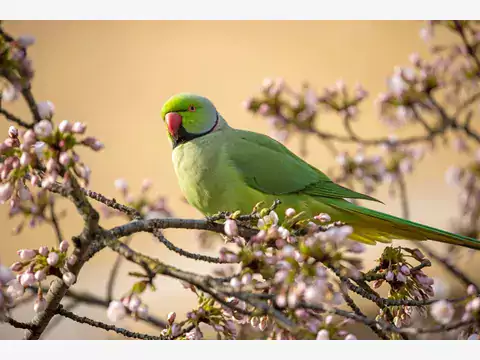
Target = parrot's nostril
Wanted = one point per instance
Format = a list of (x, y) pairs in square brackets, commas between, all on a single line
[(174, 121)]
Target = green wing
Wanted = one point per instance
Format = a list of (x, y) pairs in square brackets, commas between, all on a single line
[(269, 167)]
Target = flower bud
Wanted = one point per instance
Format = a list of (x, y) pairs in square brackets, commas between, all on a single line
[(442, 311), (16, 266), (472, 290), (27, 279), (43, 250), (235, 283), (72, 260), (69, 279), (46, 109), (231, 228), (290, 212), (323, 335), (64, 246), (171, 317), (142, 311), (41, 275), (6, 192), (64, 159), (52, 259), (323, 218), (25, 159), (404, 269), (93, 143), (43, 128), (40, 148), (78, 128), (134, 303), (246, 279), (65, 126), (40, 305), (26, 254), (13, 132), (116, 311)]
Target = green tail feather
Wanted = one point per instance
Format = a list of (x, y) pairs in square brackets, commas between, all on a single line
[(375, 226)]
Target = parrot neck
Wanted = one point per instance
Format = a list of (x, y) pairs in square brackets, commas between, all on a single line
[(185, 136)]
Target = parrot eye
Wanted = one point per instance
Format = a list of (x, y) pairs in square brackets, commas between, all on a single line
[(192, 108)]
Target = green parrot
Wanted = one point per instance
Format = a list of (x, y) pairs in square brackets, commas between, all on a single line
[(221, 168)]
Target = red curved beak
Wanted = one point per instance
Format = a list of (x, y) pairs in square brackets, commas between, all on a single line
[(174, 121)]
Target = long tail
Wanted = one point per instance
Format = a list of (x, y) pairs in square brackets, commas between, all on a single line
[(371, 226)]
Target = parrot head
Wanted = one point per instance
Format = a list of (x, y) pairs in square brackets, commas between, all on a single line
[(188, 116)]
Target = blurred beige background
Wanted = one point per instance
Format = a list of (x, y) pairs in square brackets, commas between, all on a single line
[(115, 76)]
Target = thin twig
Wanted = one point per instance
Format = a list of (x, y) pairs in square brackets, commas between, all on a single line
[(84, 320)]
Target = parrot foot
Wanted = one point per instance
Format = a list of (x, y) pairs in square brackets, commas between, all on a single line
[(218, 216)]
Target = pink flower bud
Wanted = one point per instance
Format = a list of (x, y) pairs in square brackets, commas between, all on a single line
[(29, 138), (16, 266), (46, 109), (52, 259), (25, 159), (350, 337), (475, 305), (401, 277), (142, 311), (40, 305), (64, 159), (235, 283), (10, 93), (389, 276), (231, 228), (246, 278), (34, 180), (13, 132), (323, 335), (69, 279), (116, 311), (25, 41), (6, 275), (72, 260), (43, 250), (6, 191), (40, 148), (472, 290), (23, 193), (41, 275), (418, 255), (134, 303), (43, 128), (52, 165), (26, 254), (404, 269), (121, 185), (64, 246), (175, 329), (254, 321), (442, 311), (171, 317), (323, 218), (290, 212), (93, 143), (27, 279), (78, 128), (65, 126)]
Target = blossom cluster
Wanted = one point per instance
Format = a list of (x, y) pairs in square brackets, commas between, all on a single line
[(148, 209), (373, 170), (287, 110), (292, 257), (35, 265)]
